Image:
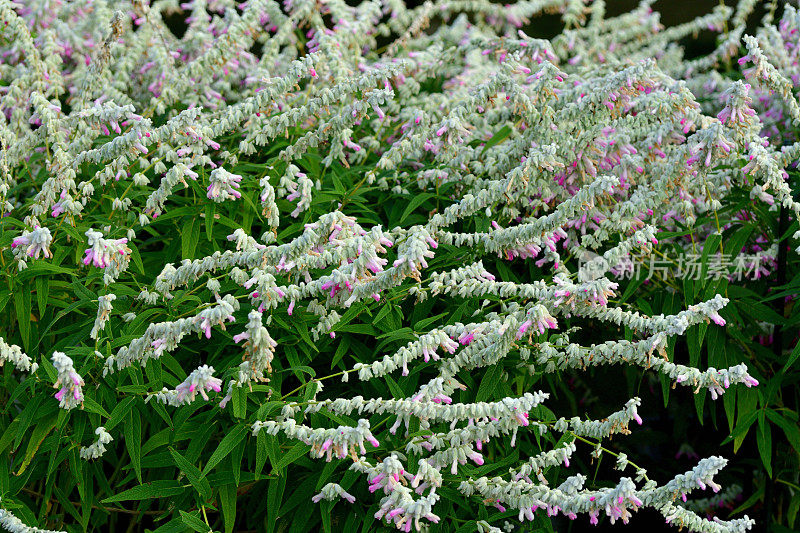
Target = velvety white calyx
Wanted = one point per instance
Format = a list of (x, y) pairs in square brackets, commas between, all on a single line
[(96, 449), (11, 353), (224, 185), (333, 491), (12, 524), (201, 380), (104, 309), (69, 382)]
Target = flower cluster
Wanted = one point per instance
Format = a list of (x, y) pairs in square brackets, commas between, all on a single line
[(98, 448), (32, 244), (14, 525), (13, 354), (70, 393), (333, 491), (340, 442), (113, 255), (224, 185), (200, 380)]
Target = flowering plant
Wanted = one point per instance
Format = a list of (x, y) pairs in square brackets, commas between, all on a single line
[(346, 241)]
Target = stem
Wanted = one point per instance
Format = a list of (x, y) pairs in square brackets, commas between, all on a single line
[(314, 380), (205, 518), (606, 450)]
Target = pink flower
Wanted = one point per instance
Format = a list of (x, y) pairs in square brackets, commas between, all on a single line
[(36, 242), (713, 315)]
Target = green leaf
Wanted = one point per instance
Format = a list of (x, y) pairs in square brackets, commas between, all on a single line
[(699, 403), (236, 462), (694, 341), (262, 453), (39, 268), (274, 496), (42, 291), (400, 334), (791, 429), (415, 202), (133, 441), (209, 217), (194, 522), (302, 330), (226, 445), (325, 510), (497, 138), (42, 429), (69, 507), (394, 387), (301, 495), (361, 329), (239, 400), (792, 357), (633, 284), (163, 488), (746, 417), (4, 298), (341, 350), (137, 259), (750, 501), (326, 473), (190, 235), (734, 245), (385, 310), (422, 324), (84, 294), (193, 474), (119, 412), (764, 441), (299, 450), (25, 418), (92, 406), (227, 496), (794, 508), (489, 383), (709, 246), (22, 305), (8, 435), (718, 358)]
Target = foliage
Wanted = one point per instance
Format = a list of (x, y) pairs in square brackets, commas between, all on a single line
[(310, 252)]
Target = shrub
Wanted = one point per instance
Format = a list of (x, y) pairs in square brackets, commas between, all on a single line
[(314, 252)]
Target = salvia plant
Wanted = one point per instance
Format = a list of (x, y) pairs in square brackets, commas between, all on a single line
[(312, 266)]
